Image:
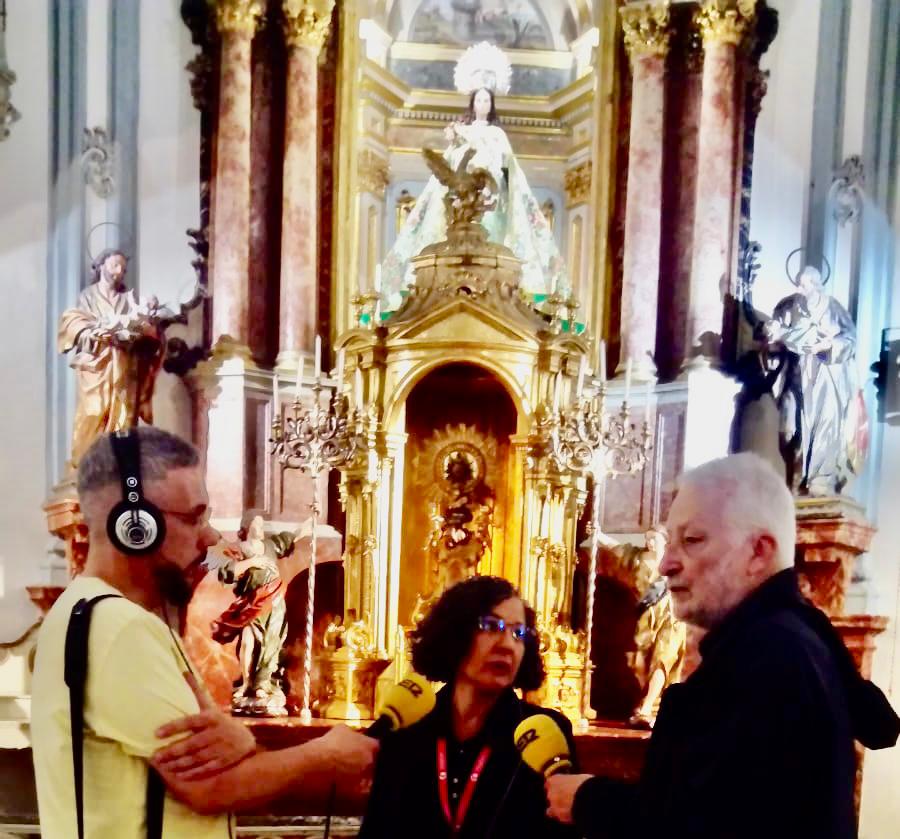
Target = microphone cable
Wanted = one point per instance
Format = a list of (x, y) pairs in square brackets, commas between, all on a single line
[(332, 794)]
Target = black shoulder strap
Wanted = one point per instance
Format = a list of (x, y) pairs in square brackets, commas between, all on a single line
[(75, 675)]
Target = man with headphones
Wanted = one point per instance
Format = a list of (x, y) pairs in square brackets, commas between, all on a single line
[(110, 667)]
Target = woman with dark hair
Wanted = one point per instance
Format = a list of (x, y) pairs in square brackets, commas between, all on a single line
[(457, 772)]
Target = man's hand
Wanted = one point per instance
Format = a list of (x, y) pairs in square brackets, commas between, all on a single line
[(215, 742), (561, 791), (349, 755)]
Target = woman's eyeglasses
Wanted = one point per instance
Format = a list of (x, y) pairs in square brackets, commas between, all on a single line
[(497, 626)]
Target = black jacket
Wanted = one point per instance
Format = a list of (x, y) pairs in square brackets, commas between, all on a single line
[(758, 741), (405, 802)]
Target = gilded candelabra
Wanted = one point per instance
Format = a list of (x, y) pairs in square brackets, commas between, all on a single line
[(583, 439), (325, 435)]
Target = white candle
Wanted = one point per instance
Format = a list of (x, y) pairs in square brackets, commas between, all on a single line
[(647, 403), (602, 360), (627, 379), (298, 385), (276, 399), (556, 384), (582, 365), (358, 387), (340, 369), (377, 285), (318, 356)]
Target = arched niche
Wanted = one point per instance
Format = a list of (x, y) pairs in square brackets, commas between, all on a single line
[(456, 409)]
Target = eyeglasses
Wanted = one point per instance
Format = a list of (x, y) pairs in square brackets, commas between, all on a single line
[(497, 626), (192, 518)]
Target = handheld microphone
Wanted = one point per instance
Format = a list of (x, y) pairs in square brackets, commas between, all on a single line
[(543, 745), (404, 704)]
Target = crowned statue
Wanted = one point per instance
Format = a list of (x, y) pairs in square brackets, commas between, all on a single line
[(821, 405), (514, 219)]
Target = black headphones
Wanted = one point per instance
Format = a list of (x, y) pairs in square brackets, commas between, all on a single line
[(134, 526)]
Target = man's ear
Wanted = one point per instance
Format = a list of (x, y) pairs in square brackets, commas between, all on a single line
[(765, 551)]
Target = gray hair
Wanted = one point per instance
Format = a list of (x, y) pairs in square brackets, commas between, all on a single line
[(160, 453), (752, 496)]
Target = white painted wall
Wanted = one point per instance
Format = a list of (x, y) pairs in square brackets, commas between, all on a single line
[(24, 190), (781, 161)]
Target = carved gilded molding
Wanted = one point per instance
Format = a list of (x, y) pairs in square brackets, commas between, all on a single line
[(374, 174), (725, 21), (578, 185), (306, 22), (646, 29), (237, 16)]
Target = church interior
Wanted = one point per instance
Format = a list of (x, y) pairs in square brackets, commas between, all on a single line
[(452, 287)]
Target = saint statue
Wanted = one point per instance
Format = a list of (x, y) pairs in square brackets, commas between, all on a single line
[(515, 219), (823, 404), (258, 619), (660, 639), (117, 348)]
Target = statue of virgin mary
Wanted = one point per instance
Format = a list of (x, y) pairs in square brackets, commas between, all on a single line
[(516, 220)]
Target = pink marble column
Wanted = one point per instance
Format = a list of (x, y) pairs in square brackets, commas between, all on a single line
[(306, 27), (647, 40), (722, 26), (236, 21)]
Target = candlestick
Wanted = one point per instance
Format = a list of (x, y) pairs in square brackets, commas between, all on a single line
[(318, 357), (602, 360), (358, 387), (340, 369), (276, 410), (627, 379), (582, 365), (298, 385), (556, 391), (377, 282)]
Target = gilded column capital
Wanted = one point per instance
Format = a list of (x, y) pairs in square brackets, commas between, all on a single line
[(646, 29), (240, 16), (374, 173), (306, 22), (578, 184), (725, 21)]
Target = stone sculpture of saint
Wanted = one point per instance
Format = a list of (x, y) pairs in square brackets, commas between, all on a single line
[(116, 345), (258, 618), (828, 410), (660, 639), (515, 221)]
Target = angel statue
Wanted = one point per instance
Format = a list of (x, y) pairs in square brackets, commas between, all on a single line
[(514, 219), (257, 618), (822, 404)]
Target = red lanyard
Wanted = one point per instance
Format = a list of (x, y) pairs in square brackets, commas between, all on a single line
[(468, 792)]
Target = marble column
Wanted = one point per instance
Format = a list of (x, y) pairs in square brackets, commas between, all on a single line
[(722, 25), (647, 40), (236, 22), (306, 25)]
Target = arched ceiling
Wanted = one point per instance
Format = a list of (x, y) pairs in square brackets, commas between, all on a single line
[(534, 24)]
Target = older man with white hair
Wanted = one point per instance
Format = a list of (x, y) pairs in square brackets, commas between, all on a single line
[(758, 741)]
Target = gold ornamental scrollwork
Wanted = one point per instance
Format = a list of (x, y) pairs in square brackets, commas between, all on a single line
[(306, 22), (374, 173), (238, 16), (578, 185), (646, 29), (725, 21)]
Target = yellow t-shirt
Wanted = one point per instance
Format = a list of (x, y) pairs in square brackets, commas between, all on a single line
[(135, 684)]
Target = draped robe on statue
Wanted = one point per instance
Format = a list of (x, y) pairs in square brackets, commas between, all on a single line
[(832, 415), (115, 376), (516, 222)]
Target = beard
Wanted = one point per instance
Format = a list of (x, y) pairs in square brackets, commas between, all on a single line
[(173, 584)]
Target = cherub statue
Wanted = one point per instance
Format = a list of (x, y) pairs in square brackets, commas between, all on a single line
[(257, 617)]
